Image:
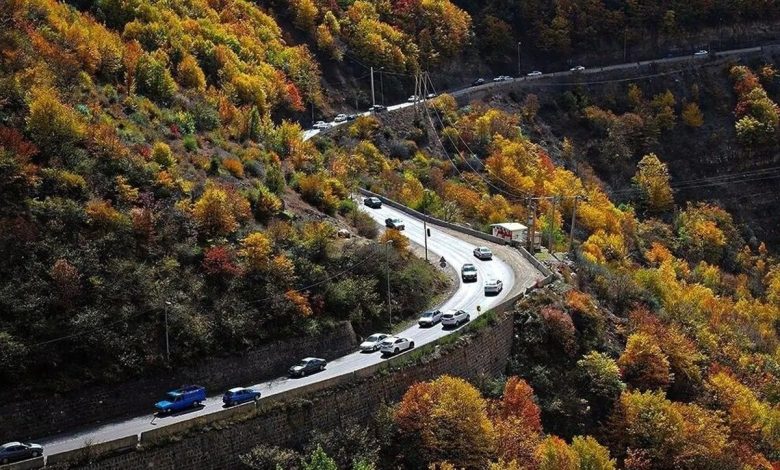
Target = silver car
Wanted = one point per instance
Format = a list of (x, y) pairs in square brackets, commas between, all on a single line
[(493, 287), (455, 318), (16, 451), (483, 253), (373, 342), (430, 318)]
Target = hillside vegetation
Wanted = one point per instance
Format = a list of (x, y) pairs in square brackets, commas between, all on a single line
[(671, 317), (141, 174)]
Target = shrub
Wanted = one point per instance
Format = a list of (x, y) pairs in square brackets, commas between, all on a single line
[(190, 75), (234, 166), (162, 155), (190, 143), (364, 224)]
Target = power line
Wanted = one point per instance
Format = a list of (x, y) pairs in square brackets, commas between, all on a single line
[(137, 315)]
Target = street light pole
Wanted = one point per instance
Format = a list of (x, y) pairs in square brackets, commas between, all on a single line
[(167, 342), (519, 70), (373, 100), (387, 270), (382, 83)]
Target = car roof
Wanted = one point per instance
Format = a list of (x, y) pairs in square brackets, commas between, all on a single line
[(237, 389), (469, 265), (312, 359), (9, 444)]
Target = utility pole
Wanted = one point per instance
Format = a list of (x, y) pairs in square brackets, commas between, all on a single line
[(531, 224), (573, 221), (426, 234), (382, 83), (519, 70), (387, 270), (625, 44), (551, 227), (167, 342), (373, 100)]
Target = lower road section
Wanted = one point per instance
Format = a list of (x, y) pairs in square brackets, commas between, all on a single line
[(457, 249)]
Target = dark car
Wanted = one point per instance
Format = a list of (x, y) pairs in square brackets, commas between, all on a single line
[(478, 82), (237, 395), (397, 224), (351, 117), (373, 202), (16, 451), (378, 108), (468, 272), (307, 366), (181, 399)]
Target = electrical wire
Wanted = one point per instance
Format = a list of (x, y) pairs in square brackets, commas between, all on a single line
[(137, 315)]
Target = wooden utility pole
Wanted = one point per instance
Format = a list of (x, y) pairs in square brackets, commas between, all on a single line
[(373, 99), (531, 224)]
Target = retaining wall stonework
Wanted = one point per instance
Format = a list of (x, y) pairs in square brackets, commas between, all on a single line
[(290, 421), (45, 416)]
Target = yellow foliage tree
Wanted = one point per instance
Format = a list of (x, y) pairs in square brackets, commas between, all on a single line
[(218, 211), (256, 250), (652, 181)]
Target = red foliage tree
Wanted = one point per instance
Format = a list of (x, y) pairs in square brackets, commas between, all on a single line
[(219, 261)]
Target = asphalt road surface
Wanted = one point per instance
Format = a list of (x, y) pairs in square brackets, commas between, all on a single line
[(457, 250), (691, 60)]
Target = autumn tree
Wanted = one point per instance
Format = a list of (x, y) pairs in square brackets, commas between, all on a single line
[(517, 423), (643, 364), (219, 210), (652, 181), (554, 454), (592, 455), (444, 420), (190, 74), (55, 127), (602, 381), (692, 115)]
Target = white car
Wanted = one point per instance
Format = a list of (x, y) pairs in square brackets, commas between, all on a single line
[(578, 68), (502, 78), (483, 253), (413, 98), (701, 53), (455, 318), (321, 125), (430, 318), (430, 96), (395, 345), (340, 118), (493, 287), (373, 342), (535, 73)]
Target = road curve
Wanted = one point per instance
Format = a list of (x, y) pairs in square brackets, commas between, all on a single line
[(457, 250)]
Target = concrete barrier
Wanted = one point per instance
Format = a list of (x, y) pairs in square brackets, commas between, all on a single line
[(24, 464), (94, 451)]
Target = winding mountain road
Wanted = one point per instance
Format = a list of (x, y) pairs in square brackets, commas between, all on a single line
[(456, 249)]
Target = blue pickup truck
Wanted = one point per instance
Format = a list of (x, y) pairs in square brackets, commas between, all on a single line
[(181, 399)]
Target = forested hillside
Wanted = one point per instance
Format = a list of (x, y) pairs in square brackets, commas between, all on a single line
[(145, 170)]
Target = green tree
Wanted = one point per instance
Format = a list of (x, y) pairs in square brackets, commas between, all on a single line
[(319, 460), (153, 78)]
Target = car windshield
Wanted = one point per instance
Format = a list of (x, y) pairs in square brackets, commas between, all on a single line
[(302, 363), (427, 314), (170, 396), (374, 338), (469, 268)]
